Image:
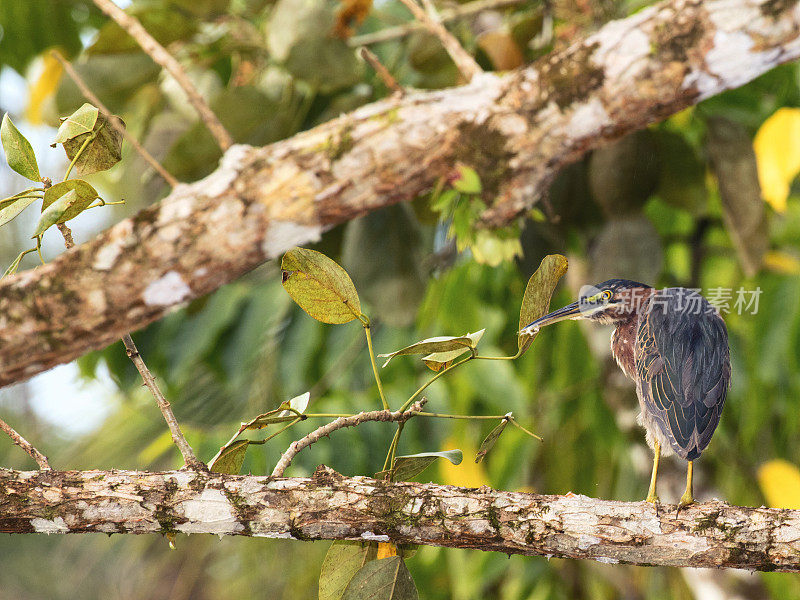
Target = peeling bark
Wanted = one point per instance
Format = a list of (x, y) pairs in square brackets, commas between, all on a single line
[(331, 506), (516, 130)]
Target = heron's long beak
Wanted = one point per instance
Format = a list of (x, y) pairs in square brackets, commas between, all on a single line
[(570, 311)]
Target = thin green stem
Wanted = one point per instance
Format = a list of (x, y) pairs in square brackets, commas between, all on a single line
[(444, 416), (86, 142), (392, 447), (515, 357), (416, 394), (39, 248), (282, 429), (518, 426), (374, 365)]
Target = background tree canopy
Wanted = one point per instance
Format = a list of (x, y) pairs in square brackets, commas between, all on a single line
[(706, 199)]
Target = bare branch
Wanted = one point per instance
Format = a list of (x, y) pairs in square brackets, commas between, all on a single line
[(324, 431), (451, 14), (384, 74), (331, 506), (523, 127), (91, 97), (188, 454), (20, 441), (160, 55), (464, 61), (186, 451)]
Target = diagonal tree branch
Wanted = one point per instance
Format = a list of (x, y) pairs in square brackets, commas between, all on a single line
[(516, 131), (160, 55), (331, 506)]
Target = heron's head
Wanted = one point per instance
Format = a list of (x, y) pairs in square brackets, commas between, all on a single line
[(612, 301)]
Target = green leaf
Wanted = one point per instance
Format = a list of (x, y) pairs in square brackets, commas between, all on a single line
[(23, 194), (86, 195), (384, 579), (467, 180), (11, 207), (80, 122), (55, 212), (442, 343), (342, 561), (441, 360), (410, 465), (101, 153), (538, 293), (488, 443), (280, 414), (298, 403), (320, 286), (229, 459), (19, 152)]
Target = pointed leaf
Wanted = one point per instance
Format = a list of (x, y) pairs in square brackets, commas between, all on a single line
[(11, 207), (80, 122), (538, 292), (411, 465), (299, 403), (268, 418), (442, 343), (53, 214), (230, 458), (85, 192), (342, 561), (102, 152), (19, 152), (489, 441), (384, 579), (441, 360), (467, 180), (320, 286)]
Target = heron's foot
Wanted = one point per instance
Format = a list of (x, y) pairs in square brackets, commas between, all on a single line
[(686, 500), (652, 498)]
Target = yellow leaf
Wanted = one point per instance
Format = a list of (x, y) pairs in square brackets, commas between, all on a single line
[(777, 148), (386, 550), (780, 483), (468, 473), (44, 87), (782, 262)]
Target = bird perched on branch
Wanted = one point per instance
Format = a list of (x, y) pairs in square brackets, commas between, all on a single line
[(674, 346)]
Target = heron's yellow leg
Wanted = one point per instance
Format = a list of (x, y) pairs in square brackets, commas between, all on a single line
[(687, 497), (652, 497)]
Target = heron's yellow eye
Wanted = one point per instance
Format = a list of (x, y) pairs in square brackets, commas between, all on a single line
[(607, 295)]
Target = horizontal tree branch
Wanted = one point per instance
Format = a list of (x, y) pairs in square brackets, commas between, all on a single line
[(516, 130), (333, 507)]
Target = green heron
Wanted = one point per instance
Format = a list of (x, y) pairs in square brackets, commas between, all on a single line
[(674, 346)]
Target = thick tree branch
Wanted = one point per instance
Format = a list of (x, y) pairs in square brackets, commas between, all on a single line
[(516, 131), (330, 506)]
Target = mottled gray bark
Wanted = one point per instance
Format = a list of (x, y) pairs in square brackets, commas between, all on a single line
[(515, 129), (333, 507)]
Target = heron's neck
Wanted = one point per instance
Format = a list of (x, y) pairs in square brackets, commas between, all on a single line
[(623, 341)]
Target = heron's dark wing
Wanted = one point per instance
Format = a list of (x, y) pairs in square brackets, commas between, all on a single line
[(683, 366)]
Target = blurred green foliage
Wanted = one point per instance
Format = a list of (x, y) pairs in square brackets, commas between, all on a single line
[(246, 348)]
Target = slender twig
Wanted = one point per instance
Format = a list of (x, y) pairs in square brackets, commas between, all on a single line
[(177, 435), (385, 416), (432, 379), (384, 74), (91, 97), (66, 233), (459, 12), (20, 441), (160, 55), (464, 61)]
